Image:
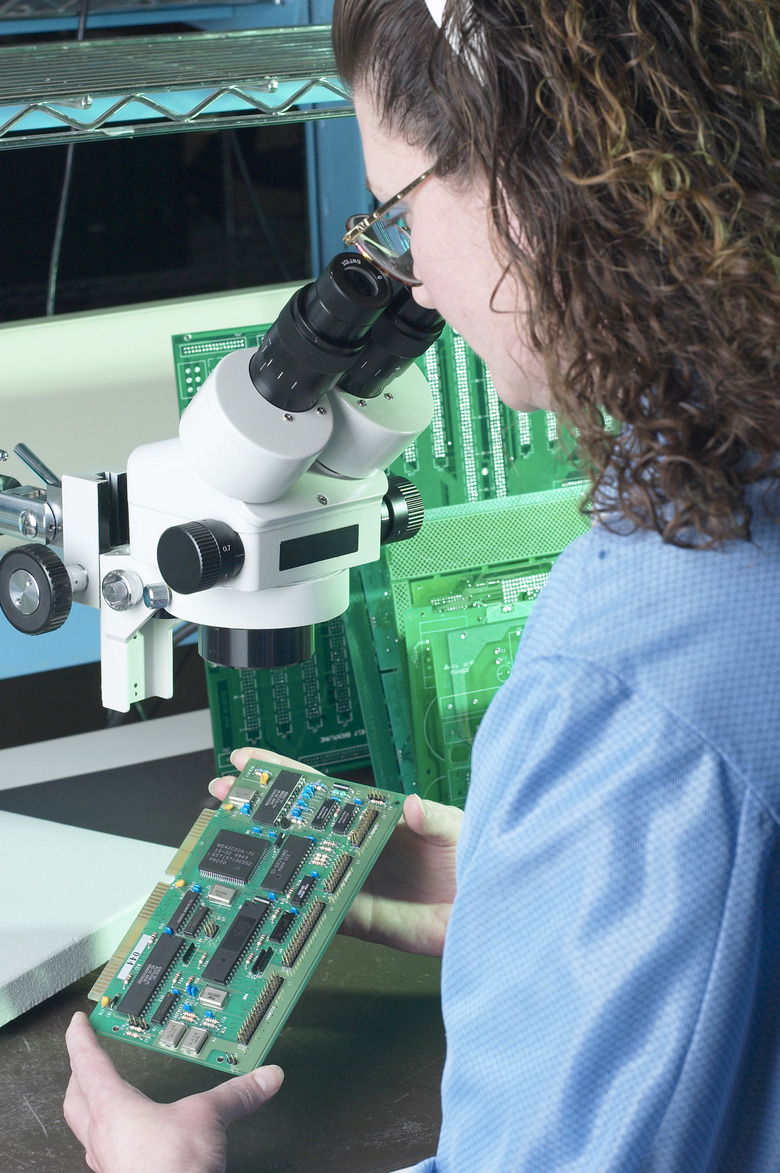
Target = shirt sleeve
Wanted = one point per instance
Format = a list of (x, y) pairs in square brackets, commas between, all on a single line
[(601, 966)]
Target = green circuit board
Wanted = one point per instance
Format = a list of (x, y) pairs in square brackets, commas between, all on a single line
[(444, 615), (218, 957)]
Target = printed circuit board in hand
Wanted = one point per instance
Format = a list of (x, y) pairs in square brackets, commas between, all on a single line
[(217, 959)]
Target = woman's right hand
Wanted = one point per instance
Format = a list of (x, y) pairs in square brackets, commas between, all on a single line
[(407, 899)]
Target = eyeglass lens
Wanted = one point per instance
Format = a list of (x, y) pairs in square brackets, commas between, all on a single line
[(386, 243)]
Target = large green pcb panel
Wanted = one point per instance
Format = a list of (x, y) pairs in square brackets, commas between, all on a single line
[(403, 679), (218, 958)]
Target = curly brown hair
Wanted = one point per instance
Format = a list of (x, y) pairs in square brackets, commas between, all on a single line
[(637, 143)]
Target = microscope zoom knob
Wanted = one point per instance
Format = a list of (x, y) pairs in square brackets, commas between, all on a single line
[(402, 510), (198, 555), (35, 589)]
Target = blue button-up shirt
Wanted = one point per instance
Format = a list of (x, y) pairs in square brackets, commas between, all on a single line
[(611, 977)]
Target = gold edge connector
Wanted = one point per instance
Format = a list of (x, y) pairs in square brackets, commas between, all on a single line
[(188, 844), (114, 964)]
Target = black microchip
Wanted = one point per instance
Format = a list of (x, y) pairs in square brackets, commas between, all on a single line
[(287, 863), (233, 857), (276, 797), (283, 926), (303, 891), (344, 821), (324, 814), (235, 941), (164, 1009), (186, 905), (191, 929), (154, 969), (261, 961)]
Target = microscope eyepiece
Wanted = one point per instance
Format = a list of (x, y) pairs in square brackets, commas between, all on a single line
[(320, 333), (397, 338)]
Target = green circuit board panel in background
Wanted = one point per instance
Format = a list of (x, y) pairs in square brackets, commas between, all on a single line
[(218, 957), (351, 704), (444, 615)]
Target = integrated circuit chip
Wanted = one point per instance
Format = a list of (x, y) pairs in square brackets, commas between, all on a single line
[(165, 1007), (287, 863), (276, 798), (197, 919), (344, 821), (228, 954), (324, 813), (233, 857), (186, 905), (283, 926), (154, 969), (304, 890)]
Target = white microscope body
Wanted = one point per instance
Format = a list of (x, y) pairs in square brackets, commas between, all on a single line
[(248, 522)]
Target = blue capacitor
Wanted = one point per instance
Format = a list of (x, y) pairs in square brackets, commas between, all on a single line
[(187, 1008), (246, 809), (209, 1014), (197, 888), (168, 930)]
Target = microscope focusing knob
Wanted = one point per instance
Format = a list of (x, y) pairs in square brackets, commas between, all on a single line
[(402, 510), (198, 555), (35, 589)]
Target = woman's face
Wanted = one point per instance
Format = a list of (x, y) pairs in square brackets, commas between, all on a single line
[(456, 259)]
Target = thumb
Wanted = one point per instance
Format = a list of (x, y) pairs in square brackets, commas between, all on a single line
[(433, 821), (244, 1094)]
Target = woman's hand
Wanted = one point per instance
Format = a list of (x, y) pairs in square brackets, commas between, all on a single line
[(407, 899), (123, 1132)]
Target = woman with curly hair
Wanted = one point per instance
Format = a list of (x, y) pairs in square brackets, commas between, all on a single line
[(589, 193)]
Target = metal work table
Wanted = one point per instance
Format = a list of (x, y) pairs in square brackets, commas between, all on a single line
[(362, 1052)]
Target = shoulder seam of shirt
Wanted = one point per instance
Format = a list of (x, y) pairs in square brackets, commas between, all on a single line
[(650, 698)]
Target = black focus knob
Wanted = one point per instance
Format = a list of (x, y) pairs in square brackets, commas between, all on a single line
[(198, 555), (35, 589), (402, 510)]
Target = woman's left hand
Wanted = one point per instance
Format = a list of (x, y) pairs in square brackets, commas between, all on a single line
[(123, 1131)]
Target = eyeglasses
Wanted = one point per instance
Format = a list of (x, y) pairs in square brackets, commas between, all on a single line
[(383, 236)]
